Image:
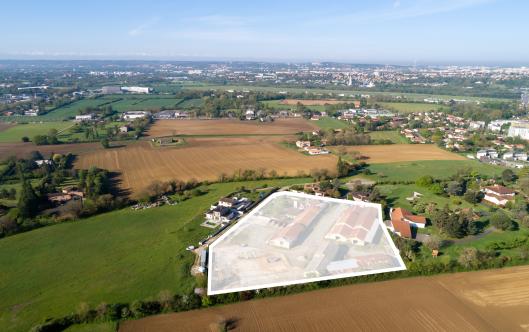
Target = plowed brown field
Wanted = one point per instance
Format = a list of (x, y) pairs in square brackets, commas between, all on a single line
[(202, 159), (229, 127), (496, 300), (378, 154)]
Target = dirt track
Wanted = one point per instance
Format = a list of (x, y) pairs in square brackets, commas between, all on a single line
[(496, 300)]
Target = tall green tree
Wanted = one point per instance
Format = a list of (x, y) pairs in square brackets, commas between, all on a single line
[(28, 201)]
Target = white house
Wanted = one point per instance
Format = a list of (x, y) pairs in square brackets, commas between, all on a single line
[(85, 117), (498, 195), (514, 155), (32, 112), (519, 129), (487, 153), (302, 144), (132, 115), (476, 125)]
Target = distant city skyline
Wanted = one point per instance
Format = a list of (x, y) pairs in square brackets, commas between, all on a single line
[(405, 32)]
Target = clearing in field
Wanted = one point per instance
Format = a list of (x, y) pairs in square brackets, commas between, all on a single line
[(294, 238), (229, 127), (314, 102), (202, 159), (377, 154), (496, 300)]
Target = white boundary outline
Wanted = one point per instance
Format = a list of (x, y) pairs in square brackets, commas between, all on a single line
[(401, 266)]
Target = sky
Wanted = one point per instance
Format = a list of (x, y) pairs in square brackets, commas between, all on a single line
[(405, 32)]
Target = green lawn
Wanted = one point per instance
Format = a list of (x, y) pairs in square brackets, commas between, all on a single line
[(119, 256), (16, 132), (414, 107), (328, 122), (441, 169), (397, 194), (392, 135)]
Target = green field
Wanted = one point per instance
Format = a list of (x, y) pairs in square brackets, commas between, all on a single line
[(120, 103), (414, 107), (16, 132), (276, 104), (328, 92), (119, 256), (327, 123), (440, 169), (392, 135), (191, 103)]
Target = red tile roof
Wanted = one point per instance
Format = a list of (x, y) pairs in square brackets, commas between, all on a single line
[(500, 190)]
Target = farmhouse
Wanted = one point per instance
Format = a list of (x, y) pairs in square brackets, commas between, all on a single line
[(227, 209), (32, 112), (515, 155), (221, 214), (316, 151), (302, 144), (498, 195), (250, 114), (402, 222), (403, 214), (132, 115), (487, 153)]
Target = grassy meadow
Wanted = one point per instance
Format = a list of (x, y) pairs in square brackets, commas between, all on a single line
[(16, 132), (118, 256)]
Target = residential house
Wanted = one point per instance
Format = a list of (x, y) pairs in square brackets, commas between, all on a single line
[(498, 195), (403, 221)]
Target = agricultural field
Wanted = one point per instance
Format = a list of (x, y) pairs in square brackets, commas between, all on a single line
[(141, 163), (377, 154), (313, 102), (228, 127), (120, 103), (24, 149), (331, 93), (14, 133), (392, 135), (496, 300), (327, 123), (442, 169), (191, 103), (120, 256), (414, 107)]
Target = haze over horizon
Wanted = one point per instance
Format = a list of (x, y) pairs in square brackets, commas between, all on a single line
[(403, 32)]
